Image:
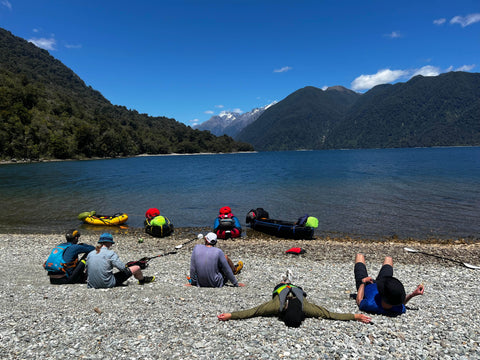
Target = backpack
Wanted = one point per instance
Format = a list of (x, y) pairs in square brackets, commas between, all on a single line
[(302, 220), (55, 261), (226, 222), (258, 213)]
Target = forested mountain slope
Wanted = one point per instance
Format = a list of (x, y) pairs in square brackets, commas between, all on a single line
[(47, 111)]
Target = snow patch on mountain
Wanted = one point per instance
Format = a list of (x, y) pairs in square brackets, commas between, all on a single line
[(231, 123)]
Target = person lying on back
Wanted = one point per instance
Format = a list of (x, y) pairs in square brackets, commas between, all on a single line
[(384, 296), (290, 305), (210, 267), (63, 265)]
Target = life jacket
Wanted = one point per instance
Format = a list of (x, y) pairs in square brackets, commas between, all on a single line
[(55, 261), (283, 290)]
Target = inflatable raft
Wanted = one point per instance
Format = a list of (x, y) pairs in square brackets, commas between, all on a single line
[(106, 220), (259, 220)]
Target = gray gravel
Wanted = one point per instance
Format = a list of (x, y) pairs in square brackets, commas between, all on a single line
[(166, 319)]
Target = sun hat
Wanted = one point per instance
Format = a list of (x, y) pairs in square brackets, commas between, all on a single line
[(211, 238), (106, 238), (391, 290)]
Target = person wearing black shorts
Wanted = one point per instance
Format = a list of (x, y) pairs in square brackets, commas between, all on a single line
[(100, 264), (386, 294)]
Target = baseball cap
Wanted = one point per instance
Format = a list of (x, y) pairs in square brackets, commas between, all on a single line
[(211, 238)]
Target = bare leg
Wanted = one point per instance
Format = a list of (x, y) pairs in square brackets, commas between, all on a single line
[(137, 273), (388, 261), (360, 258), (230, 263)]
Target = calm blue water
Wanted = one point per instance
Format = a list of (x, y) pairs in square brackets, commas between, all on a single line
[(408, 192)]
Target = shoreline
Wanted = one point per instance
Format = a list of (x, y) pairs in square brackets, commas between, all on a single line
[(248, 234), (30, 161)]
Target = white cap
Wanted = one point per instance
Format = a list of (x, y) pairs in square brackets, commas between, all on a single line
[(211, 238)]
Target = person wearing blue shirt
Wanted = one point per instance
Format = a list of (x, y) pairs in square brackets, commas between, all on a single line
[(383, 296), (72, 270)]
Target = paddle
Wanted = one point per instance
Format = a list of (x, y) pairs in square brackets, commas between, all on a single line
[(199, 236), (470, 266), (143, 262)]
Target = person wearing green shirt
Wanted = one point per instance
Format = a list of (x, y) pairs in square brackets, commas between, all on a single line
[(289, 304)]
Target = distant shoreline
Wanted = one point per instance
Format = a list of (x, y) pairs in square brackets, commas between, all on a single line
[(29, 161)]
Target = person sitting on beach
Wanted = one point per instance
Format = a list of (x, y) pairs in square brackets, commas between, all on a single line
[(63, 265), (385, 295), (227, 225), (289, 303), (100, 264), (210, 267)]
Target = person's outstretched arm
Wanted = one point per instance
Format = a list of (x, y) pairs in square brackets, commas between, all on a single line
[(269, 308), (418, 291)]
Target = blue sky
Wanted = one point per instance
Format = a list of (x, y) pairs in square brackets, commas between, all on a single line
[(191, 59)]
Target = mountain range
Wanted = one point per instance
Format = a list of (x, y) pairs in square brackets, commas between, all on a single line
[(231, 123), (47, 111), (443, 110)]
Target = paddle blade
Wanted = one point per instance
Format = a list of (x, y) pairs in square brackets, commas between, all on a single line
[(470, 266), (410, 249)]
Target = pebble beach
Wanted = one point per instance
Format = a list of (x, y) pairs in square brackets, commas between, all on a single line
[(168, 320)]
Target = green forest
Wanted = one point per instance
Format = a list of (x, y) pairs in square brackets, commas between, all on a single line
[(48, 112)]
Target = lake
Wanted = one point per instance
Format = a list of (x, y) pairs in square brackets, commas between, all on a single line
[(421, 193)]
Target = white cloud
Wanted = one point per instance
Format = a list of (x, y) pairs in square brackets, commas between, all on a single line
[(394, 35), (464, 21), (194, 122), (426, 71), (219, 106), (384, 76), (439, 21), (209, 112), (7, 4), (465, 67), (283, 69), (44, 43), (237, 110)]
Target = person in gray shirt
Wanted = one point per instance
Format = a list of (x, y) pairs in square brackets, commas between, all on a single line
[(102, 261), (209, 266)]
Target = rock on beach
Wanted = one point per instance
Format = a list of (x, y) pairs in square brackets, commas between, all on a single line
[(167, 319)]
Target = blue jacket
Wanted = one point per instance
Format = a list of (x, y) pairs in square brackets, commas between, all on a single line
[(372, 303)]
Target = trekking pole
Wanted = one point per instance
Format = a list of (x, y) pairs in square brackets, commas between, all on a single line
[(470, 266), (199, 236)]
